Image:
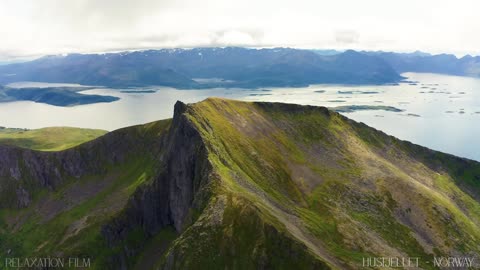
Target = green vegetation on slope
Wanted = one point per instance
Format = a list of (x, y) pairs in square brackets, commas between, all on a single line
[(67, 220), (273, 186), (344, 190), (48, 139)]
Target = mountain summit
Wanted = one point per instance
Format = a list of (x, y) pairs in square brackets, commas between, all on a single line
[(240, 185)]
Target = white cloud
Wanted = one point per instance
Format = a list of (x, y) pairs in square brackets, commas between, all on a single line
[(32, 28), (346, 37)]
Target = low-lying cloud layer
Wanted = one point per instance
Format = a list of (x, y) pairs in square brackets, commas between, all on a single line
[(32, 28)]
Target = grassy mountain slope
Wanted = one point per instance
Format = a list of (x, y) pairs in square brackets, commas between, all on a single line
[(229, 184), (48, 139), (61, 211), (342, 189)]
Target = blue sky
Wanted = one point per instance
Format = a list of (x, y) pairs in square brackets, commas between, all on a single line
[(32, 28)]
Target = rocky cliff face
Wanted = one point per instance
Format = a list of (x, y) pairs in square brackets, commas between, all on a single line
[(174, 194)]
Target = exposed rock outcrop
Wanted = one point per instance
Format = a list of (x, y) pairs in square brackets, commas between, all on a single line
[(179, 188)]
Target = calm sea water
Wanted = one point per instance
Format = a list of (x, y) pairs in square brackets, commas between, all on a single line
[(440, 112)]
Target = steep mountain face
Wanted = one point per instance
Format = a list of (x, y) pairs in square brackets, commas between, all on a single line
[(238, 185), (232, 67)]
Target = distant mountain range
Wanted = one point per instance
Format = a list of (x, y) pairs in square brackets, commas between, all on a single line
[(419, 61), (232, 67), (423, 62)]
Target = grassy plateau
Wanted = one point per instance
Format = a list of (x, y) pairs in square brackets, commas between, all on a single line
[(48, 139)]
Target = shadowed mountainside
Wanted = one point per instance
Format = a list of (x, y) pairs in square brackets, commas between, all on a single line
[(239, 185)]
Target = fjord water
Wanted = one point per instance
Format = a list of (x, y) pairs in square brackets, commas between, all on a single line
[(440, 112)]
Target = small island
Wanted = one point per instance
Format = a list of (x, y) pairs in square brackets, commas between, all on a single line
[(354, 108), (357, 92), (260, 95), (56, 96), (138, 91)]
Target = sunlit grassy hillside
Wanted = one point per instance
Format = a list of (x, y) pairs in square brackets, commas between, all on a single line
[(48, 139)]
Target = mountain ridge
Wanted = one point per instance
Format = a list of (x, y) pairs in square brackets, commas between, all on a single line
[(237, 67), (241, 185), (439, 63)]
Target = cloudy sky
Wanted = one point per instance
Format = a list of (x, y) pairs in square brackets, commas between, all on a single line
[(32, 28)]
